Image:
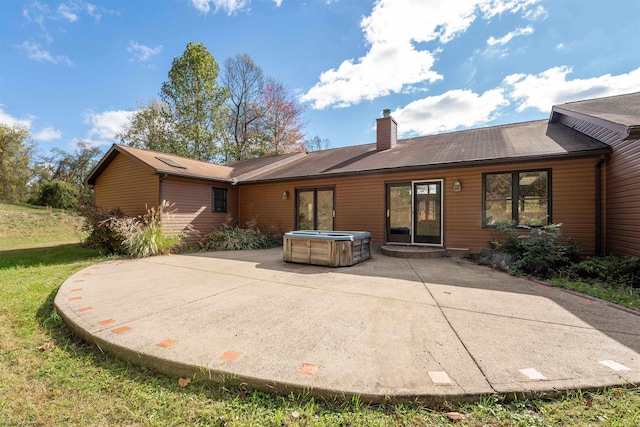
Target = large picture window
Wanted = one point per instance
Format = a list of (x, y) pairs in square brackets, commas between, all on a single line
[(523, 197), (218, 199)]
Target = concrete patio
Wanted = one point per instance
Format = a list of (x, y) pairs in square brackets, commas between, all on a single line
[(388, 329)]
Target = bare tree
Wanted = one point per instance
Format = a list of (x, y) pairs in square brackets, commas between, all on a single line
[(244, 80)]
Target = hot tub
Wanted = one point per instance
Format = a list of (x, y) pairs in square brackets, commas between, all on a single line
[(328, 248)]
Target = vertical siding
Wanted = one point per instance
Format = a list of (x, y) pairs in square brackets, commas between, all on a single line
[(623, 199), (360, 202), (622, 194), (192, 199), (127, 185)]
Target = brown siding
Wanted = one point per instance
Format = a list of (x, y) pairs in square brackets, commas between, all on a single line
[(192, 205), (127, 185), (623, 199), (360, 202)]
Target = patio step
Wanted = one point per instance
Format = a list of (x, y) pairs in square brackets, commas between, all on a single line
[(416, 252)]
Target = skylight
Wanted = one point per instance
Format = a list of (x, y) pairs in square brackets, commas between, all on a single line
[(170, 162)]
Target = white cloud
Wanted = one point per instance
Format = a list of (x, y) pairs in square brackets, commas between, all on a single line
[(105, 125), (65, 12), (230, 6), (393, 30), (47, 134), (498, 7), (9, 120), (278, 3), (36, 12), (37, 53), (520, 31), (141, 52), (537, 14), (552, 87), (560, 46), (447, 112)]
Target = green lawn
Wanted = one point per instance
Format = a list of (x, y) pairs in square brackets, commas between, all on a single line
[(23, 226), (49, 377)]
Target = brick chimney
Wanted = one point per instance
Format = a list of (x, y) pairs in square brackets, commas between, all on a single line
[(386, 131)]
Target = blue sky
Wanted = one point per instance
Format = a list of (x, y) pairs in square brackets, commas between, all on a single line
[(75, 70)]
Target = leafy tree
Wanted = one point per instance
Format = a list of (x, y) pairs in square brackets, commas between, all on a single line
[(196, 102), (151, 128), (58, 194), (245, 80), (61, 166), (73, 167), (16, 150), (317, 144), (282, 124)]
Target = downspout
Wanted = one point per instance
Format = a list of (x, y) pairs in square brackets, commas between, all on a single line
[(162, 178), (599, 205)]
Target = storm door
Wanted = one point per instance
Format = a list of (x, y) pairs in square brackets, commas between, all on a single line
[(399, 212), (314, 209), (427, 212)]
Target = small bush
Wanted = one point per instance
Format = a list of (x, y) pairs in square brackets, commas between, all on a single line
[(233, 237), (101, 234), (58, 194), (610, 270), (538, 253)]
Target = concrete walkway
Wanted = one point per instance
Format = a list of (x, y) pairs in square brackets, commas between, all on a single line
[(386, 329)]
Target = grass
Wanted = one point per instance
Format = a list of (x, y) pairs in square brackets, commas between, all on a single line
[(49, 377), (622, 295), (25, 226)]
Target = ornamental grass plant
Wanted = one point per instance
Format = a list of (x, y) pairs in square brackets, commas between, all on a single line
[(232, 237)]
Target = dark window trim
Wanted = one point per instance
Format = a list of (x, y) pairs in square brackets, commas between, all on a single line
[(214, 205), (315, 190), (514, 195)]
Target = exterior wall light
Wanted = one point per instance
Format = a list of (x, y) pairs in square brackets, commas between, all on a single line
[(457, 186), (285, 195)]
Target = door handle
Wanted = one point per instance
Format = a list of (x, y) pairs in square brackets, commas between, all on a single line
[(388, 213)]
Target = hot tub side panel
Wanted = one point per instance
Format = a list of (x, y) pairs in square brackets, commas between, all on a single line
[(323, 252)]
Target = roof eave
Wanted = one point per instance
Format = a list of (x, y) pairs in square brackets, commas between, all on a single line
[(619, 128), (194, 176), (101, 165), (633, 133), (596, 153)]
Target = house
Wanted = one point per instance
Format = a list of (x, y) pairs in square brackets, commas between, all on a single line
[(580, 168)]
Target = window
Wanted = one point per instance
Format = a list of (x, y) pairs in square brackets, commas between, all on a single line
[(522, 197), (218, 199)]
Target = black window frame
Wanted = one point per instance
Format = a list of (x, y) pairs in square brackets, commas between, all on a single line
[(219, 199), (315, 205), (515, 196)]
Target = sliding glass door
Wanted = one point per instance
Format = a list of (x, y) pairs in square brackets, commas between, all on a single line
[(315, 209)]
